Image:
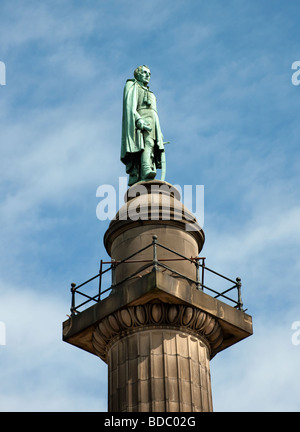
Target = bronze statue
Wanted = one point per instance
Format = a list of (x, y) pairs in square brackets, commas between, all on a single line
[(142, 149)]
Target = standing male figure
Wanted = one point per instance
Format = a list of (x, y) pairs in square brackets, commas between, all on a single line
[(142, 149)]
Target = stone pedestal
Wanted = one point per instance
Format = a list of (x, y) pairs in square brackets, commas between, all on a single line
[(153, 208), (156, 331)]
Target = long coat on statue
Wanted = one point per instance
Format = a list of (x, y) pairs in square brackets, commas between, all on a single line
[(139, 102)]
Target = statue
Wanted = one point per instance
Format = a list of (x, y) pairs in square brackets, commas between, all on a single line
[(142, 149)]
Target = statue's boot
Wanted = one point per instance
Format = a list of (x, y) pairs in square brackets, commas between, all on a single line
[(148, 170), (133, 178), (148, 173)]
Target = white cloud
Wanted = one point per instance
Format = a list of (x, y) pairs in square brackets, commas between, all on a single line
[(54, 160), (260, 373), (40, 372), (37, 22)]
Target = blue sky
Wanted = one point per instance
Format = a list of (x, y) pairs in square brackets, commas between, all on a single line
[(221, 72)]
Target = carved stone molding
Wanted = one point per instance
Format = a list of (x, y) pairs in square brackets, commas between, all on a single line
[(134, 318)]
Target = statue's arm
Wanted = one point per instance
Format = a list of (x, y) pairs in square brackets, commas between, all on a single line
[(130, 102), (142, 125)]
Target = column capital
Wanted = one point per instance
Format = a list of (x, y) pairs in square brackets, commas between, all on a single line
[(156, 315)]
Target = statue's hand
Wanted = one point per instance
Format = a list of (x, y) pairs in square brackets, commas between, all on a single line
[(143, 125)]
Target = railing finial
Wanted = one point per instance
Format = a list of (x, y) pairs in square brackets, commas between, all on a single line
[(239, 290)]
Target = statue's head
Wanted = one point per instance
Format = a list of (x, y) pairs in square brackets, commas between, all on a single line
[(142, 74)]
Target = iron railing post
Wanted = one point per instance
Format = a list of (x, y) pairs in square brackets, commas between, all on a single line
[(155, 262), (113, 273), (198, 283), (239, 290), (73, 289), (100, 280), (202, 278)]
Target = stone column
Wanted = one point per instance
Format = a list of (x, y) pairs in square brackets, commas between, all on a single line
[(158, 357)]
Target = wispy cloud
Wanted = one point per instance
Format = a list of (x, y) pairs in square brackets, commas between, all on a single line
[(36, 361), (253, 376)]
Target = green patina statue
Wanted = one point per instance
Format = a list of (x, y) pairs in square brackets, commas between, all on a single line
[(142, 149)]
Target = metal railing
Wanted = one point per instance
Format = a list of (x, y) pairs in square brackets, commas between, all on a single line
[(155, 263)]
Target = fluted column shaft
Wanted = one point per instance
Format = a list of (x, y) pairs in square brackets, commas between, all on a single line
[(159, 370), (158, 357)]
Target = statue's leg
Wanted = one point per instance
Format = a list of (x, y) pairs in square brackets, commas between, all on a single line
[(148, 170), (134, 171)]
